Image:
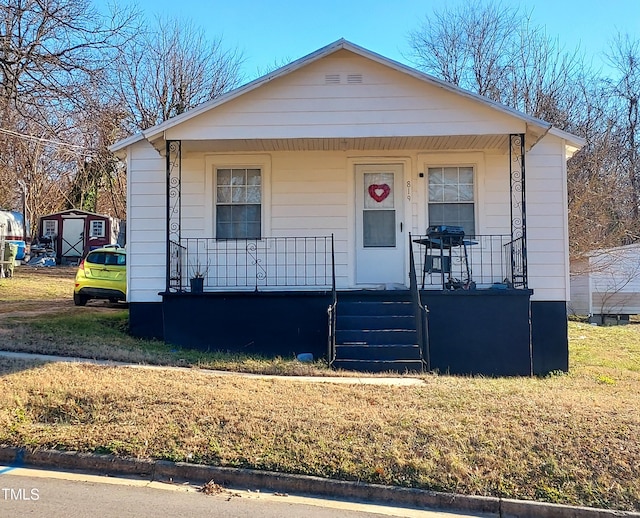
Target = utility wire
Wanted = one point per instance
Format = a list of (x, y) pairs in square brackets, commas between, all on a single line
[(87, 151)]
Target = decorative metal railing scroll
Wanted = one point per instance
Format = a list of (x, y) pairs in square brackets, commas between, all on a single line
[(518, 258), (174, 217)]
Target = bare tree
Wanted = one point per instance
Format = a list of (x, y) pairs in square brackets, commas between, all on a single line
[(171, 68), (494, 50), (48, 47), (50, 50), (624, 56)]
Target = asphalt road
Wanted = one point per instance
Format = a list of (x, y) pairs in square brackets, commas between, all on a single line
[(40, 493)]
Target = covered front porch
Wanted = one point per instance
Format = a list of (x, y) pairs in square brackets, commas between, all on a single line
[(461, 306)]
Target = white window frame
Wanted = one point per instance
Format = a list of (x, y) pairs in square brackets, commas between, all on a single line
[(231, 188), (215, 162), (103, 228), (472, 202), (461, 159), (46, 227)]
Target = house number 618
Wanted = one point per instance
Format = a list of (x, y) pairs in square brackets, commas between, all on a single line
[(409, 191)]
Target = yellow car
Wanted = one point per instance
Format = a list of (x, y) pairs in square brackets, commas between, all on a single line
[(102, 274)]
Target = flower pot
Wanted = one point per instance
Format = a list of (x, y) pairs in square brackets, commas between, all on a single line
[(197, 285)]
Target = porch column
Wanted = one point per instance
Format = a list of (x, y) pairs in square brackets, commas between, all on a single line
[(173, 157), (518, 210)]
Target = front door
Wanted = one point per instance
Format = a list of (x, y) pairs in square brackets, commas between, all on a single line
[(380, 250)]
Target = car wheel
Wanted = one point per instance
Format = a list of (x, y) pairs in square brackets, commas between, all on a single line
[(113, 300), (79, 300)]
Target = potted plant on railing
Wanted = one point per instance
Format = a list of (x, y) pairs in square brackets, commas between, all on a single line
[(197, 279)]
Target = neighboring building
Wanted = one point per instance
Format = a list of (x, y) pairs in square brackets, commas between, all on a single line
[(330, 164), (605, 284), (75, 232), (13, 230)]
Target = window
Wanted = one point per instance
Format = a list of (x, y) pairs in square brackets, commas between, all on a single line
[(451, 197), (49, 228), (107, 258), (97, 229), (238, 203)]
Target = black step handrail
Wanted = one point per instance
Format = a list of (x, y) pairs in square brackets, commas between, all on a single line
[(420, 312), (331, 310)]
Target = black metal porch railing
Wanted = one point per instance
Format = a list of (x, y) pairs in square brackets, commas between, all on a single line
[(331, 310), (419, 310), (515, 252), (288, 262), (479, 261)]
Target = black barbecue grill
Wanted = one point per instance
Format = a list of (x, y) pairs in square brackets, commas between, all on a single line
[(438, 243)]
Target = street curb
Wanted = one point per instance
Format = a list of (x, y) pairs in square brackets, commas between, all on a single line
[(160, 470)]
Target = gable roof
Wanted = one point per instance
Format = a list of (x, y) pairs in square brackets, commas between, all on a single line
[(155, 132), (77, 212)]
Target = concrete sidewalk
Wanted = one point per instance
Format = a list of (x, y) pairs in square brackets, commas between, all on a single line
[(347, 380)]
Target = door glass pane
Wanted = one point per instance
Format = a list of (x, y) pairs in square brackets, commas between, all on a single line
[(378, 191), (378, 228)]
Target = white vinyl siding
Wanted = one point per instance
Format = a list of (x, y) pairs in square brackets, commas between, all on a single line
[(386, 103), (146, 223), (547, 220)]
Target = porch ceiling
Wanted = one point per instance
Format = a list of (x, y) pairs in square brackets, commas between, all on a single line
[(439, 143)]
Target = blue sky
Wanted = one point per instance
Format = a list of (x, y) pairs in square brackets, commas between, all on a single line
[(271, 32)]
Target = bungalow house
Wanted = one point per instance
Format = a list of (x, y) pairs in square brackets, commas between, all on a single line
[(355, 208)]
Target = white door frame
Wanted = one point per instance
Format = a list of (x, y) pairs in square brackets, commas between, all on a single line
[(391, 261)]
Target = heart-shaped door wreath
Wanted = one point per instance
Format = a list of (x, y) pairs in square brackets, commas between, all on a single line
[(379, 192)]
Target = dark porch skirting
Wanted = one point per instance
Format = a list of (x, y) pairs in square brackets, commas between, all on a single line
[(479, 332), (268, 323), (489, 332)]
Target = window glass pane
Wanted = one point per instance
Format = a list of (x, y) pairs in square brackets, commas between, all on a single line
[(450, 193), (224, 195), (379, 228), (451, 175), (378, 191), (224, 176), (436, 192), (436, 176), (252, 212), (223, 213), (96, 258), (253, 194), (223, 230), (238, 176), (253, 177), (238, 195), (466, 175), (465, 192), (454, 214)]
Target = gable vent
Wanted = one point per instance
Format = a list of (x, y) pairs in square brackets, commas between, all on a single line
[(332, 79), (354, 79)]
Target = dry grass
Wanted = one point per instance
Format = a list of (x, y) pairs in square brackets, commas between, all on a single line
[(37, 315), (565, 438)]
